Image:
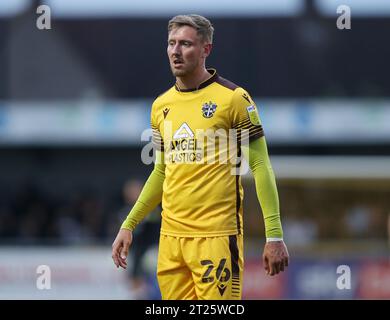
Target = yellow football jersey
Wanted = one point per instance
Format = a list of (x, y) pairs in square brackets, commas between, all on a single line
[(200, 132)]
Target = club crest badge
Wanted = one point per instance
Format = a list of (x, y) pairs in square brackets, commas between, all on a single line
[(208, 109)]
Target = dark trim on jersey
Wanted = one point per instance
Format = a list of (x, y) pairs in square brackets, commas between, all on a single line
[(238, 198), (246, 123), (238, 201), (213, 78), (226, 83), (256, 135), (234, 255), (158, 147), (157, 140)]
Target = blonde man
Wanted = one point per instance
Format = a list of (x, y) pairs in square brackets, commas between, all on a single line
[(201, 237)]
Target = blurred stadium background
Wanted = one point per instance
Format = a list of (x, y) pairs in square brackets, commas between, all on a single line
[(75, 99)]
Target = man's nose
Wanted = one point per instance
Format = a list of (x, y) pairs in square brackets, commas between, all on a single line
[(176, 50)]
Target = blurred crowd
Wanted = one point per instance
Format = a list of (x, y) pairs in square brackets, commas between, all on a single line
[(310, 213), (315, 212), (85, 217)]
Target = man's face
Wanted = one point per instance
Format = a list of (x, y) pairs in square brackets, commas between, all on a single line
[(186, 51)]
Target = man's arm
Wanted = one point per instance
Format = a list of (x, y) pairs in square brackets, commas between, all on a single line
[(275, 256), (148, 200), (150, 196)]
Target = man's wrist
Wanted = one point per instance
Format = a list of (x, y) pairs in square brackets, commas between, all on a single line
[(127, 225), (274, 239)]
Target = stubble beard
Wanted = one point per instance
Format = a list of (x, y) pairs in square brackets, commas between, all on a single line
[(179, 73), (183, 72)]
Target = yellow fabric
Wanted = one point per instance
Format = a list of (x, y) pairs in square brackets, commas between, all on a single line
[(201, 197), (257, 156), (200, 268), (205, 199)]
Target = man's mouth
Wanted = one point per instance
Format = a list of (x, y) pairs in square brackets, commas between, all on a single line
[(177, 62)]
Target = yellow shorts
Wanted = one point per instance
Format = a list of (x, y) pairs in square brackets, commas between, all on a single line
[(200, 268)]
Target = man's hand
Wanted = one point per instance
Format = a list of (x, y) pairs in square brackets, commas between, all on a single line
[(275, 257), (120, 247)]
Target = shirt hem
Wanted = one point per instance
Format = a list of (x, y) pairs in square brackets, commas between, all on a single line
[(200, 234)]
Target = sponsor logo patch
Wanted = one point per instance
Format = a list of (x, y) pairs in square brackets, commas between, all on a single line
[(253, 115), (184, 132)]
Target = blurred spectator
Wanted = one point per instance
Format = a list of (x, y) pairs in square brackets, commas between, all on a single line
[(299, 230), (313, 212), (146, 237), (357, 220), (69, 226), (90, 210)]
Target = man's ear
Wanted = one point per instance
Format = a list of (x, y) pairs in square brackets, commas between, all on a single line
[(207, 49)]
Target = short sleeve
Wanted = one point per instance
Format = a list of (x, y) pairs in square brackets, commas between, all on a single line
[(245, 116), (157, 139)]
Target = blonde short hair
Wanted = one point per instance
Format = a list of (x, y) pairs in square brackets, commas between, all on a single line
[(202, 25)]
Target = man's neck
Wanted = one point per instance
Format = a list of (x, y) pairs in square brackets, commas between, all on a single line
[(194, 80)]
